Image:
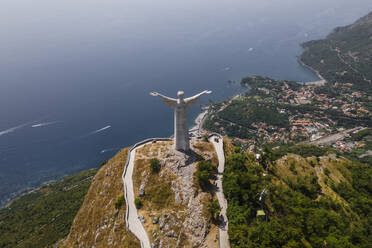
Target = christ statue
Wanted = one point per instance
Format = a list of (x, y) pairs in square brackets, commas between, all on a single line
[(180, 106)]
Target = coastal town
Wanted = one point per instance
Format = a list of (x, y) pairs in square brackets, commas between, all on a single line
[(309, 113)]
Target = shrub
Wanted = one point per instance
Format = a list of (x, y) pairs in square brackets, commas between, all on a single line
[(236, 149), (138, 203), (205, 171), (205, 138), (312, 163), (292, 167), (326, 181), (214, 209), (155, 165), (326, 171), (120, 202)]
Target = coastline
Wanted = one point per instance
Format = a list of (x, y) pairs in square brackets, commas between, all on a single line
[(194, 131), (29, 190), (199, 120), (322, 79)]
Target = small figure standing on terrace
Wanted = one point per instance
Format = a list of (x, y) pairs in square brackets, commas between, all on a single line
[(180, 106)]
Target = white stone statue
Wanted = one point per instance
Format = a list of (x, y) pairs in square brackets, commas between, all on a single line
[(180, 106)]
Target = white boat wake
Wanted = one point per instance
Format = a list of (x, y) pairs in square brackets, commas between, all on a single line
[(43, 124), (101, 129), (12, 129), (72, 139), (109, 149)]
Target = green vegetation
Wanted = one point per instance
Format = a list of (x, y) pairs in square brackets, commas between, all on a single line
[(345, 55), (155, 165), (247, 111), (362, 134), (239, 116), (307, 185), (298, 214), (266, 158), (360, 153), (138, 203), (41, 218), (214, 209), (119, 202), (257, 82), (205, 171), (242, 182), (302, 150), (205, 138)]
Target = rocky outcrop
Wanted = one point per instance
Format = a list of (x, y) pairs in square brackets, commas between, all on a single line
[(183, 221)]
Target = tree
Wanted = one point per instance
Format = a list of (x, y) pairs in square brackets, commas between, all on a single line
[(205, 171), (120, 202), (267, 158)]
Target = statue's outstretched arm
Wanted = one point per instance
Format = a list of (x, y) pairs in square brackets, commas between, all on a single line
[(171, 102), (190, 101)]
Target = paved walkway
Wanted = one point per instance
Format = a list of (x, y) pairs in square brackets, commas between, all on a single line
[(132, 221), (135, 225), (223, 227)]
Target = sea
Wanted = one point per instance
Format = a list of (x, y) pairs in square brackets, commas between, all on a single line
[(75, 75)]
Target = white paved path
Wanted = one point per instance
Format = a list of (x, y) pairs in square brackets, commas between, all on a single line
[(135, 225), (223, 227), (132, 221)]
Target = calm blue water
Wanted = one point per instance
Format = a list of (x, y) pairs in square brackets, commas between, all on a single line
[(81, 66)]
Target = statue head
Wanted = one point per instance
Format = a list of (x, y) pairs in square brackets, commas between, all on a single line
[(180, 94)]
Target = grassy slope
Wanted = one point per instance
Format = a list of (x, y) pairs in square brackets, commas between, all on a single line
[(41, 218), (98, 223)]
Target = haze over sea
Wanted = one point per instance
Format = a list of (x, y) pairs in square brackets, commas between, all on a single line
[(75, 75)]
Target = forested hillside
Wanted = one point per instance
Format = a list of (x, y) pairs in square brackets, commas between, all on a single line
[(345, 56), (43, 217), (308, 201), (304, 195)]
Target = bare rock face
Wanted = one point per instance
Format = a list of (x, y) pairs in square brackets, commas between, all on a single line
[(195, 225), (142, 190), (145, 177)]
